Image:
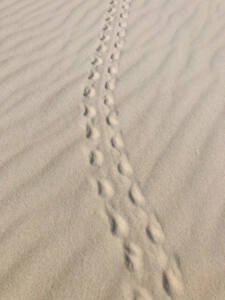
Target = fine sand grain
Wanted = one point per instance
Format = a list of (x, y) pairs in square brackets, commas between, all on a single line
[(112, 150)]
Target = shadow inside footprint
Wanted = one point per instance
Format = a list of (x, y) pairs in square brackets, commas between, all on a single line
[(113, 225), (149, 234), (128, 263), (166, 284)]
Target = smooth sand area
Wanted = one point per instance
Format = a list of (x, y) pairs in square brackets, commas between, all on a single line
[(112, 150)]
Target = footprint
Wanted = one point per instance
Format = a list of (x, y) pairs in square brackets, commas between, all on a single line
[(123, 24), (124, 15), (154, 230), (90, 111), (112, 119), (115, 55), (108, 99), (119, 44), (92, 132), (113, 2), (172, 279), (94, 75), (101, 48), (124, 167), (135, 195), (105, 189), (117, 141), (105, 38), (97, 61), (109, 18), (111, 10), (89, 92), (96, 158), (113, 69), (118, 225), (110, 84), (129, 263), (121, 33), (133, 257), (107, 27)]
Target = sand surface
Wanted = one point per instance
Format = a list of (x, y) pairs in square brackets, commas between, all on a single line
[(112, 150)]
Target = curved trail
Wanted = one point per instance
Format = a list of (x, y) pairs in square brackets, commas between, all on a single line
[(106, 145)]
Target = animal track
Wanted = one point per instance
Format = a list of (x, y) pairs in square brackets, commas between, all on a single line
[(154, 230), (115, 55), (92, 132), (97, 61), (119, 44), (101, 48), (118, 225), (135, 195), (107, 27), (108, 51), (94, 75), (105, 189), (124, 167), (96, 158), (105, 38), (108, 99), (90, 111), (117, 141), (123, 24), (89, 92), (111, 119), (113, 69), (110, 84), (121, 33), (172, 279), (133, 257)]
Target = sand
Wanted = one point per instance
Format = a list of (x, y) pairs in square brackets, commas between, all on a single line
[(112, 160)]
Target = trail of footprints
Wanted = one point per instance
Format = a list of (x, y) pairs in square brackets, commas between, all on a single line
[(110, 43)]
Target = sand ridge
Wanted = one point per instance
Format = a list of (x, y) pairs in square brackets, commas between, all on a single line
[(111, 161)]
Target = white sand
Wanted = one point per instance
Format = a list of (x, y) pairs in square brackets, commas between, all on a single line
[(112, 150)]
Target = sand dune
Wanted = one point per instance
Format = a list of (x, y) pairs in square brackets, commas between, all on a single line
[(112, 161)]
